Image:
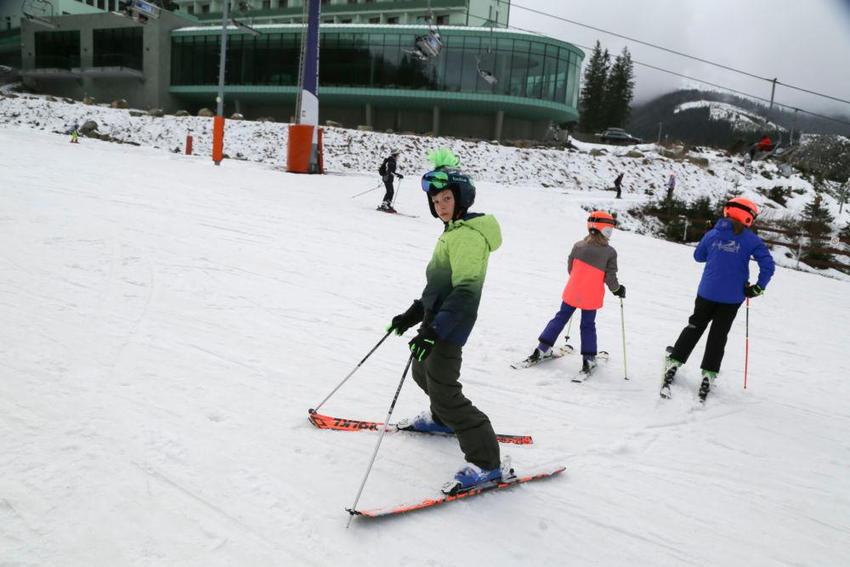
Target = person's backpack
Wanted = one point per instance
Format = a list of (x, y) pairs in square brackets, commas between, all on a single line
[(383, 169)]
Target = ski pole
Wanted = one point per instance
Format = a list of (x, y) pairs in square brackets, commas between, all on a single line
[(353, 510), (747, 343), (397, 191), (569, 326), (374, 348), (623, 327), (366, 191)]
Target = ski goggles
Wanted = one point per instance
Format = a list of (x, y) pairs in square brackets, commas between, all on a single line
[(435, 181)]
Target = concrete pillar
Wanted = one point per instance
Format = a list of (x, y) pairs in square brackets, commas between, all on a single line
[(369, 120), (500, 119), (435, 122)]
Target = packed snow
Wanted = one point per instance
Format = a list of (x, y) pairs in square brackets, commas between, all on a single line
[(168, 323)]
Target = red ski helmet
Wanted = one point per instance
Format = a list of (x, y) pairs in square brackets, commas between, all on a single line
[(742, 210), (601, 222)]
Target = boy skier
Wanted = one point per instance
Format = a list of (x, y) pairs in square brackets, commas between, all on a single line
[(592, 264), (387, 172), (726, 251), (447, 310)]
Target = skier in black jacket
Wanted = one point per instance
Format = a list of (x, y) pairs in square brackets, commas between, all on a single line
[(388, 171)]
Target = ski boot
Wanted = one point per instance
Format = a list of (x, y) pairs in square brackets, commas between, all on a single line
[(588, 363), (472, 476), (425, 423), (671, 365), (538, 356), (708, 377)]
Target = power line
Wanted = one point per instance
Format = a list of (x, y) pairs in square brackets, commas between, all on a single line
[(668, 50), (702, 81)]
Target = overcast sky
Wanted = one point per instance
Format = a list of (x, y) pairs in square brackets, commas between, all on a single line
[(805, 43)]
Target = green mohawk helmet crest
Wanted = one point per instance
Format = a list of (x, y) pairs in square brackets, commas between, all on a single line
[(443, 157)]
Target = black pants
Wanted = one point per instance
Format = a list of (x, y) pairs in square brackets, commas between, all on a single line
[(618, 189), (388, 183), (721, 316), (438, 376)]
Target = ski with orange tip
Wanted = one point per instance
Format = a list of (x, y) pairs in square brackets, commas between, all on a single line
[(463, 495), (342, 424)]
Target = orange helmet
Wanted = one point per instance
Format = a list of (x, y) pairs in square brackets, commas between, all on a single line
[(742, 210), (602, 222)]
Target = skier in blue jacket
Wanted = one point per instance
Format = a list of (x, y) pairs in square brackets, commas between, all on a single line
[(726, 251)]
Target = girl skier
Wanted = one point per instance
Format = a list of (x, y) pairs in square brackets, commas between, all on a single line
[(726, 250), (592, 264)]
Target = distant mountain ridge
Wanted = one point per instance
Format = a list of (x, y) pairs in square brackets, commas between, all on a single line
[(718, 119)]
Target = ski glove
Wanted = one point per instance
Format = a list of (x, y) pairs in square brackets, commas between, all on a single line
[(403, 321), (620, 292), (423, 343), (399, 175), (753, 290)]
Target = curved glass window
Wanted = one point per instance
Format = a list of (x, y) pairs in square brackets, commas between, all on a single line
[(523, 68)]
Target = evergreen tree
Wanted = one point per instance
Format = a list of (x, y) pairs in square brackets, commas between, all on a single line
[(592, 98), (619, 90), (817, 226)]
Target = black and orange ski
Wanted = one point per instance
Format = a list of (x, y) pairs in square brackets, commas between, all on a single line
[(341, 424), (444, 499)]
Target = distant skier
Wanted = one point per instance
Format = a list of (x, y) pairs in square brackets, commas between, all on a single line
[(447, 310), (671, 186), (592, 265), (387, 172), (618, 185), (726, 251), (75, 134)]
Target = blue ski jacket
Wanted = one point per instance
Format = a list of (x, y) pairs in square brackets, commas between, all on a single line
[(727, 262)]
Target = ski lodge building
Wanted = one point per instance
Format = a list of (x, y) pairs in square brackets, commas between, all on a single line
[(487, 81)]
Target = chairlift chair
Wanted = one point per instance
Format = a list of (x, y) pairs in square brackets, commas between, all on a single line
[(484, 73)]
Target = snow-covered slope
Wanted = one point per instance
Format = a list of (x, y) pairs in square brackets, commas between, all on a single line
[(167, 323), (353, 151), (740, 119)]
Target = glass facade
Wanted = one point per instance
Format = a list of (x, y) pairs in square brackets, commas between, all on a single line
[(364, 58), (57, 49), (118, 47)]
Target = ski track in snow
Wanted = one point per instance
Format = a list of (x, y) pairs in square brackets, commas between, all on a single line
[(167, 324)]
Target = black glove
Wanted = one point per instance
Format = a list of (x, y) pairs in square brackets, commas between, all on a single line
[(620, 292), (753, 290), (422, 344), (403, 321), (399, 175)]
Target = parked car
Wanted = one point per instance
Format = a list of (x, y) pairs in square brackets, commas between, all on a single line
[(618, 136)]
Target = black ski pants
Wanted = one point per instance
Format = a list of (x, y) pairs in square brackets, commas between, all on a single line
[(721, 316), (438, 376), (388, 184)]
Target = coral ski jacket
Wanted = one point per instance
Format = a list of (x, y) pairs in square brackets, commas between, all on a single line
[(590, 266), (455, 275), (727, 262)]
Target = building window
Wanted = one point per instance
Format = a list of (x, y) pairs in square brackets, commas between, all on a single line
[(101, 4), (283, 4), (392, 20), (345, 21), (376, 20), (190, 9), (443, 20), (205, 9), (352, 1), (267, 4), (57, 49), (118, 47)]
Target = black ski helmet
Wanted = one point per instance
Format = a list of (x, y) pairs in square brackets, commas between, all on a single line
[(459, 183)]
